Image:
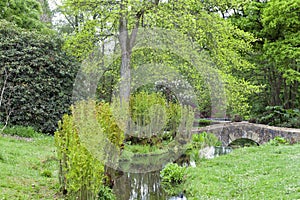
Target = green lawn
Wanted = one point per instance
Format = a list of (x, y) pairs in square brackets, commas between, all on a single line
[(265, 172), (28, 168)]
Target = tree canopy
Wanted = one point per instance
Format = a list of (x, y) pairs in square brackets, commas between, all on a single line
[(25, 13)]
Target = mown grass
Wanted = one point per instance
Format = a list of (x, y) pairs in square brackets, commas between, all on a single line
[(264, 172), (28, 168)]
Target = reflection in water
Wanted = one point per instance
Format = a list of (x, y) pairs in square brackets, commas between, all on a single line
[(141, 186), (147, 186)]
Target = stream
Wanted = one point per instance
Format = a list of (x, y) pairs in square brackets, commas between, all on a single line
[(147, 186)]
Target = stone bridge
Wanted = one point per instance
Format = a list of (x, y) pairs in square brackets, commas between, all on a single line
[(228, 132)]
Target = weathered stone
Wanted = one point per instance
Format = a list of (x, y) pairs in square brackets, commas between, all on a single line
[(207, 152), (228, 132)]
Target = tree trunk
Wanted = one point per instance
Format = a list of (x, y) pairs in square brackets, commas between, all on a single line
[(125, 61)]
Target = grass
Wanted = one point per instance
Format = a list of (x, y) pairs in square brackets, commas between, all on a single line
[(264, 172), (28, 168)]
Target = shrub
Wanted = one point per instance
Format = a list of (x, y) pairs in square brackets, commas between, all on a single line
[(172, 173), (141, 107), (279, 116), (39, 78), (105, 193), (152, 114), (174, 116), (109, 125), (278, 141), (80, 173), (205, 139)]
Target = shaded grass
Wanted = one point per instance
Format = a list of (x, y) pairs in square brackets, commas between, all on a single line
[(28, 168), (265, 172)]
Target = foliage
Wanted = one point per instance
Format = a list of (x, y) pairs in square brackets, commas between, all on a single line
[(39, 78), (80, 173), (275, 23), (25, 13), (278, 141), (106, 193), (21, 131), (172, 177), (144, 107), (172, 173), (95, 25), (205, 139), (204, 122), (279, 116), (152, 115), (174, 112), (109, 124), (200, 141)]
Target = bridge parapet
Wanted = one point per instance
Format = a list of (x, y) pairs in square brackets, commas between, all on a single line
[(228, 132)]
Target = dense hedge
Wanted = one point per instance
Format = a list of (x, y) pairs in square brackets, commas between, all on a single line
[(39, 78)]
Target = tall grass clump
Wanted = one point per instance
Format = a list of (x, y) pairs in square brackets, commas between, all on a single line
[(80, 142)]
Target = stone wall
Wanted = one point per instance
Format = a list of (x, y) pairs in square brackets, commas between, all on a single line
[(228, 132)]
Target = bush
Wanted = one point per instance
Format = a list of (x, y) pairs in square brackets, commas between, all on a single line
[(172, 173), (80, 173), (279, 116), (172, 176), (152, 114), (105, 193), (39, 78), (109, 125), (141, 107), (278, 141)]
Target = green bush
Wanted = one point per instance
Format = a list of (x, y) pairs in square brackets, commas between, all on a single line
[(105, 193), (278, 141), (39, 77), (141, 104), (279, 116), (172, 173), (172, 176), (108, 124), (205, 139), (80, 173), (151, 110), (174, 116)]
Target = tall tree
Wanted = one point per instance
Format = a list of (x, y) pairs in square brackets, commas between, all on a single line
[(275, 24), (94, 22), (24, 13)]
